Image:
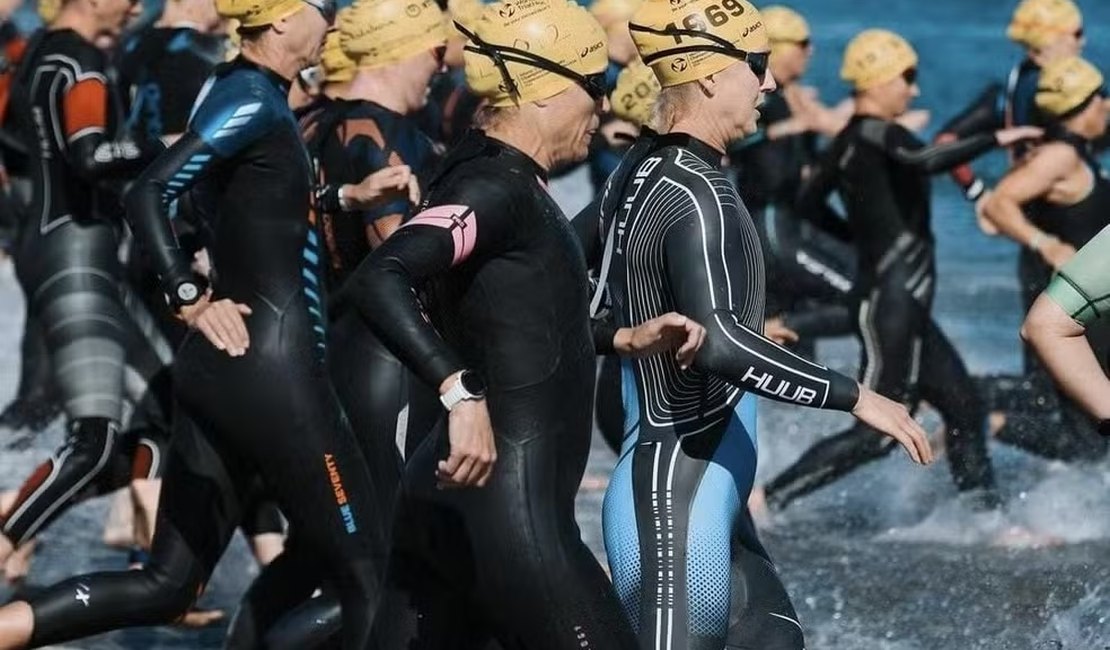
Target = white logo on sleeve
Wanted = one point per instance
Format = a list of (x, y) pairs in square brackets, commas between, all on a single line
[(82, 594)]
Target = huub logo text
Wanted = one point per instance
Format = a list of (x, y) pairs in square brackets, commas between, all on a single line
[(784, 389)]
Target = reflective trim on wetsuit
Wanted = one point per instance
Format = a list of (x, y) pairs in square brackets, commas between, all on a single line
[(271, 412), (674, 519), (881, 171)]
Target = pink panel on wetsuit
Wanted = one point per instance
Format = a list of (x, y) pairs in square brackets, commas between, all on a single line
[(464, 230)]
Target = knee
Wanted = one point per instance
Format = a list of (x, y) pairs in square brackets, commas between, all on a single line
[(167, 595)]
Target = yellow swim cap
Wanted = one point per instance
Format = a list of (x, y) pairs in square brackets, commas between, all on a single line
[(529, 50), (49, 10), (687, 40), (613, 12), (1066, 85), (376, 33), (1037, 22), (258, 13), (876, 56), (634, 97), (784, 25), (338, 67)]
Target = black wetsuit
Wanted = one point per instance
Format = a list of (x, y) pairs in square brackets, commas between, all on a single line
[(810, 260), (882, 173), (165, 68), (1068, 434), (684, 555), (350, 140), (69, 112), (272, 411), (505, 284)]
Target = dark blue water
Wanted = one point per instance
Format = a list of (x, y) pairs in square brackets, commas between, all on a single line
[(888, 558)]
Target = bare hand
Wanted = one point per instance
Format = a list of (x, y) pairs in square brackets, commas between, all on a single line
[(985, 225), (1007, 137), (1056, 253), (892, 419), (473, 450), (388, 184), (916, 120), (221, 322), (670, 331), (777, 331)]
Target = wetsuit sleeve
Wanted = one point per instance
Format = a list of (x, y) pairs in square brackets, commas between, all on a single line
[(471, 224), (904, 147), (713, 270), (221, 128), (84, 110), (1082, 287), (984, 115)]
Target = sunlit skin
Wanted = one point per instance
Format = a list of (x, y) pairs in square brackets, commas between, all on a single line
[(730, 111)]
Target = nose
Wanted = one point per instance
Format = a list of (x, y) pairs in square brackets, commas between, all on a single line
[(769, 83), (605, 105)]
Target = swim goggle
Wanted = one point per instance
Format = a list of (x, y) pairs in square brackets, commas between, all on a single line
[(757, 61), (594, 84), (327, 8)]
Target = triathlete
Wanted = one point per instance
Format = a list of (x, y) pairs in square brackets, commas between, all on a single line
[(1077, 298), (882, 173), (1053, 202), (251, 384), (484, 549), (810, 261), (673, 235), (397, 50), (67, 110)]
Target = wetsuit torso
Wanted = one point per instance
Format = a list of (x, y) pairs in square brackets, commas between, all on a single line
[(164, 69), (676, 530), (69, 114), (271, 411), (1067, 433), (505, 285), (881, 171)]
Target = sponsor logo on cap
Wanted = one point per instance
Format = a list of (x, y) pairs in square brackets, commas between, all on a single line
[(679, 64)]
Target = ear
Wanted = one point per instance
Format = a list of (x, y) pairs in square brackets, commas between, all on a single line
[(280, 25)]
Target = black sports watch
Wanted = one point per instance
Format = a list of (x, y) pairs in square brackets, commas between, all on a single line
[(186, 293)]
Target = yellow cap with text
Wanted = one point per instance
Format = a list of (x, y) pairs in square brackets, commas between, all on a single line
[(558, 31), (736, 22), (258, 13)]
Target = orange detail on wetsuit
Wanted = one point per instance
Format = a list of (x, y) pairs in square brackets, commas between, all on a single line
[(85, 106)]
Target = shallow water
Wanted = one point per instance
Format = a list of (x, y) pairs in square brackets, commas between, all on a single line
[(886, 559)]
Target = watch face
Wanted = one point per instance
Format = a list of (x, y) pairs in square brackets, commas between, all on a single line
[(187, 292), (473, 383)]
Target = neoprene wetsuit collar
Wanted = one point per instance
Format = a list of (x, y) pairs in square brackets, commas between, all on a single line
[(240, 62), (699, 148)]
